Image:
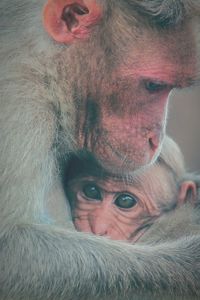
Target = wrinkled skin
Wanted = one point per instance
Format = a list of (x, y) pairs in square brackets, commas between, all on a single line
[(123, 210), (112, 209), (104, 216)]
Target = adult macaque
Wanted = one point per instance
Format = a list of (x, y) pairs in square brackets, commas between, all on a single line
[(96, 81), (125, 209)]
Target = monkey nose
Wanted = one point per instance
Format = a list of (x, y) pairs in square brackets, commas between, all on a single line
[(153, 144), (99, 226), (100, 229)]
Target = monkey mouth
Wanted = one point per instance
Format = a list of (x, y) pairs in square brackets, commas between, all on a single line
[(119, 161)]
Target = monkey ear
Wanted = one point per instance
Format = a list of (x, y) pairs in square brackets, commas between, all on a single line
[(67, 20), (187, 192)]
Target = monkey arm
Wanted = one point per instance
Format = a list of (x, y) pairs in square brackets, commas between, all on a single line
[(180, 222), (43, 262)]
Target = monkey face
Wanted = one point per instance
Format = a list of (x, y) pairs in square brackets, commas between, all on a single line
[(123, 79), (111, 209)]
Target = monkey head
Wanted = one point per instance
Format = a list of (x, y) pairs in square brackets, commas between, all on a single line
[(111, 209), (125, 208), (121, 68)]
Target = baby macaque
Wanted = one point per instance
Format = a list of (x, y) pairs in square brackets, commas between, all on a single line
[(124, 208)]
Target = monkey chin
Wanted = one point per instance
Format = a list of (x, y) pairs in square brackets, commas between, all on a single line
[(125, 167), (124, 160)]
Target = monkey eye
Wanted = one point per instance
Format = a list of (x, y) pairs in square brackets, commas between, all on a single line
[(125, 201), (155, 86), (91, 191)]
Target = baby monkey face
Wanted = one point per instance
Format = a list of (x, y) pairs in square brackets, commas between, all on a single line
[(111, 208)]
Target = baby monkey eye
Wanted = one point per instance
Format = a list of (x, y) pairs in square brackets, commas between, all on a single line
[(92, 191), (125, 201)]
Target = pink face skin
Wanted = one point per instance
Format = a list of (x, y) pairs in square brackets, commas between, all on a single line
[(132, 114), (124, 125), (115, 209)]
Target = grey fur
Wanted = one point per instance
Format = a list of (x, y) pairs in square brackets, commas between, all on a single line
[(42, 261)]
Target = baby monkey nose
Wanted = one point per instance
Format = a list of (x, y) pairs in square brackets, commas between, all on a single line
[(99, 226)]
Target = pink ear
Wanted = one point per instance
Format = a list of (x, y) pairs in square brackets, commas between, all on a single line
[(67, 20), (186, 188)]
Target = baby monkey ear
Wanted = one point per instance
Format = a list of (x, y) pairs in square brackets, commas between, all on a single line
[(68, 20), (187, 192)]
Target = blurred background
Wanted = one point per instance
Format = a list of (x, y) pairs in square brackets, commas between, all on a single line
[(184, 125)]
